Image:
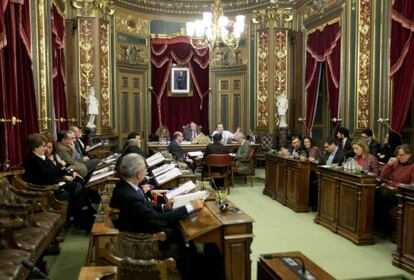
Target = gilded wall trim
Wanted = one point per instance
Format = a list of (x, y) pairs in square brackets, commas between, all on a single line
[(280, 66), (364, 87), (130, 24), (86, 61), (104, 42), (262, 78), (43, 92)]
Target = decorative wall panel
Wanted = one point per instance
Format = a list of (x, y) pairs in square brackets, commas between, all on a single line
[(105, 74), (280, 66), (262, 78), (42, 87), (364, 64), (131, 24), (86, 61)]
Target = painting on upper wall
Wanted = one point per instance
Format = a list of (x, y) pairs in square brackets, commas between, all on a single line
[(180, 81)]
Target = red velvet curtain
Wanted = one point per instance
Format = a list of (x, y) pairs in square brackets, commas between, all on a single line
[(323, 47), (402, 61), (174, 112), (59, 96), (16, 80)]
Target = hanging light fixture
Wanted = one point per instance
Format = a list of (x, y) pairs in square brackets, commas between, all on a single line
[(215, 27)]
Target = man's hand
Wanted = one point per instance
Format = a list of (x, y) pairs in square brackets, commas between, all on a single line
[(146, 188), (168, 206), (85, 158), (69, 178), (391, 161), (197, 204)]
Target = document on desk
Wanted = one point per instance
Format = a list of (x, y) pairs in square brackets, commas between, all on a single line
[(162, 169), (167, 176), (90, 148), (101, 176), (195, 154), (184, 199), (155, 159), (182, 189)]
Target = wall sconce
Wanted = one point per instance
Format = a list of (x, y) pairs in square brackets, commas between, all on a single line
[(300, 119), (335, 120), (13, 120), (383, 120), (61, 120)]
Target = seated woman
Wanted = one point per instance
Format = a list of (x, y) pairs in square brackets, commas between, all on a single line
[(391, 142), (313, 153), (43, 168), (367, 161), (162, 134), (399, 169)]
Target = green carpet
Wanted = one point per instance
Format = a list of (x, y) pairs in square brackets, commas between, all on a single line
[(277, 229)]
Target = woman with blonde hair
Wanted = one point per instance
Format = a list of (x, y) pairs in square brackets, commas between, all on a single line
[(162, 134), (367, 161)]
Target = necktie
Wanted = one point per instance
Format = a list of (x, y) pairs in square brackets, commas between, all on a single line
[(194, 134), (330, 158)]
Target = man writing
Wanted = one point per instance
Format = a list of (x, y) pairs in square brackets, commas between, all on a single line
[(191, 132)]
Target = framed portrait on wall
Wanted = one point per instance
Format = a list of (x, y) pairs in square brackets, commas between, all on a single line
[(180, 80)]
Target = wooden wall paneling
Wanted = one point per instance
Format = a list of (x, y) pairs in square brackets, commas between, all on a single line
[(327, 202)]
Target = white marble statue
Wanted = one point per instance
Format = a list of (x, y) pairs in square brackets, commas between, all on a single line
[(282, 106), (93, 107)]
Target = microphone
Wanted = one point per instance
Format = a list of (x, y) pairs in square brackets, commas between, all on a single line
[(29, 265), (222, 204), (301, 262)]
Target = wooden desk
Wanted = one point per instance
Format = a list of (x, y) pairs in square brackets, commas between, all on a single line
[(231, 231), (346, 204), (272, 269), (287, 181), (157, 147), (403, 257), (96, 272), (102, 231)]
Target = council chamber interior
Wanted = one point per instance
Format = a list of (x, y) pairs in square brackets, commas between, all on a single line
[(207, 139)]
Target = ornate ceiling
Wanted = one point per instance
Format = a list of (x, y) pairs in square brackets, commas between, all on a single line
[(195, 7)]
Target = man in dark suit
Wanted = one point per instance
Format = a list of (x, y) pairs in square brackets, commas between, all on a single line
[(345, 142), (335, 155), (191, 131), (216, 147), (174, 147), (373, 145), (295, 149), (137, 215), (80, 152)]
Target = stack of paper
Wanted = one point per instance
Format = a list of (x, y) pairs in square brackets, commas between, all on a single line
[(162, 169), (187, 198), (90, 148), (167, 176), (101, 175), (195, 154), (155, 159), (182, 189)]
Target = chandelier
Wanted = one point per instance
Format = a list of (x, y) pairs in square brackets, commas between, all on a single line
[(215, 27)]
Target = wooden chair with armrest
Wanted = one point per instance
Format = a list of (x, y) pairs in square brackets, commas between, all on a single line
[(219, 167), (137, 256), (249, 161)]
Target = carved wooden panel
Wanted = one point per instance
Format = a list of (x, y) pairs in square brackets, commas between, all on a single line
[(281, 183), (348, 207), (271, 171), (327, 200)]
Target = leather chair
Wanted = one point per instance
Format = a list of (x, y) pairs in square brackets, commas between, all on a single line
[(10, 264), (146, 269), (250, 162), (219, 167)]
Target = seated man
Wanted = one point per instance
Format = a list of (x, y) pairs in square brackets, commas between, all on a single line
[(191, 131), (225, 134), (334, 154), (81, 154), (136, 213), (134, 139), (345, 142), (65, 148), (242, 153), (373, 145), (295, 149), (174, 147)]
